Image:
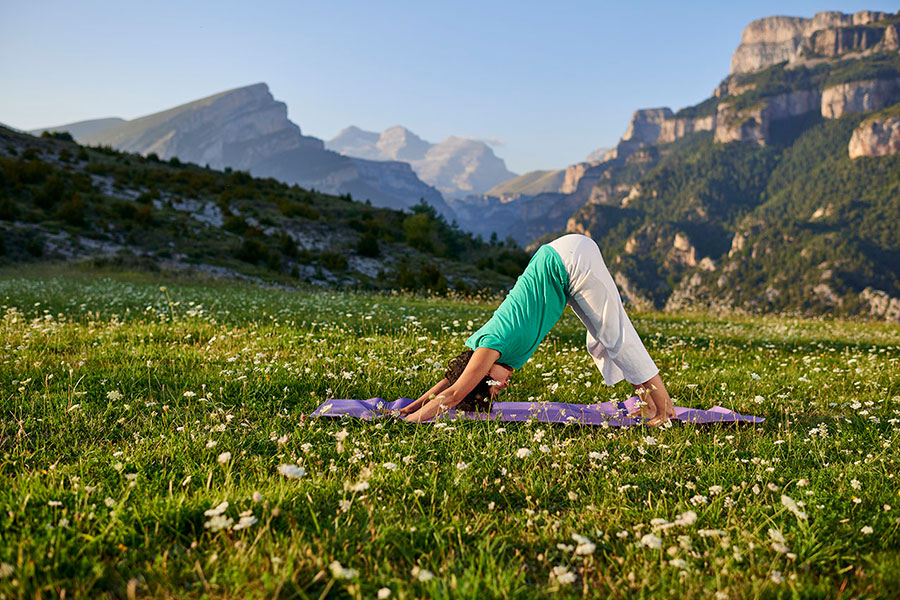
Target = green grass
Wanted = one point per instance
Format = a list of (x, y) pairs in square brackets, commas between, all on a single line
[(118, 399)]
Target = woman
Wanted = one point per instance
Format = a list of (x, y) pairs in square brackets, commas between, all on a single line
[(568, 270)]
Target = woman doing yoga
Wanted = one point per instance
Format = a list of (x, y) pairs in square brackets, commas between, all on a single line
[(568, 270)]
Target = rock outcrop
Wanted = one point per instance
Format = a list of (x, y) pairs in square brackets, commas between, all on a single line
[(643, 129), (878, 136), (574, 173), (771, 40), (881, 304), (457, 166), (859, 96), (679, 127), (247, 129), (645, 125), (753, 124)]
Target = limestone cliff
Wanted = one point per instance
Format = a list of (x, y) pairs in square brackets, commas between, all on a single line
[(771, 40), (753, 124), (645, 125), (859, 96), (679, 127), (878, 136)]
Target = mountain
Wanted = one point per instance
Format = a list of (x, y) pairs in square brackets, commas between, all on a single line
[(81, 129), (778, 193), (62, 202), (247, 129), (457, 166)]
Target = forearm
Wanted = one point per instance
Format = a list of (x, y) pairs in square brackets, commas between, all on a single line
[(435, 406), (417, 404)]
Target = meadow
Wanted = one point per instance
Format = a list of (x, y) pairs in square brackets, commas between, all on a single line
[(154, 442)]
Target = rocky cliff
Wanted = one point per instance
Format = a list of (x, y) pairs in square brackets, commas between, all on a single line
[(456, 166), (247, 129), (771, 40), (678, 127), (878, 136), (753, 124), (859, 96)]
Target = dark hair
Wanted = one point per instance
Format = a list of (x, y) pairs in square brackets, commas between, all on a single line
[(480, 397)]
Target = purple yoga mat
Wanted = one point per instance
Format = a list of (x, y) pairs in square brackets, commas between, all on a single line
[(613, 414)]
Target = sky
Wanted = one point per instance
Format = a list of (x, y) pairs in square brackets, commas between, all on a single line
[(544, 82)]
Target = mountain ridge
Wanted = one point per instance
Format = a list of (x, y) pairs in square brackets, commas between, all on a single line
[(245, 128), (457, 166)]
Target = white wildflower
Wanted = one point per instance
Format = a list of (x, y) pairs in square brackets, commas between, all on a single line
[(422, 575), (189, 394), (246, 520), (789, 504), (218, 510), (224, 458), (218, 523), (563, 575), (523, 453), (651, 541), (291, 471), (390, 466), (114, 395), (867, 530), (585, 546), (338, 571)]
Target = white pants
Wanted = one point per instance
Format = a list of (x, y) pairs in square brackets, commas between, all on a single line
[(611, 339)]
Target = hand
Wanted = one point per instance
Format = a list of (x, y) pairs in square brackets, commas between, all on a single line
[(656, 405)]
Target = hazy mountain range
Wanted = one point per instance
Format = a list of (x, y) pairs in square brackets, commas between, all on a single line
[(247, 129), (457, 166)]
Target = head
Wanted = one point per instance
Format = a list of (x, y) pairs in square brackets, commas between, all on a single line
[(486, 390)]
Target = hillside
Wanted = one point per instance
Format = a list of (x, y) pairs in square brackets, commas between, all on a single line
[(63, 202), (247, 129), (531, 183), (457, 166), (779, 193)]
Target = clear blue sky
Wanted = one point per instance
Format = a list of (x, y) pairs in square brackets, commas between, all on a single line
[(550, 81)]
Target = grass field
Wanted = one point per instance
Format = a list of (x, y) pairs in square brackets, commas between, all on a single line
[(131, 413)]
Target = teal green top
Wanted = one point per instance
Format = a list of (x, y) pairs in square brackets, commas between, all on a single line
[(528, 313)]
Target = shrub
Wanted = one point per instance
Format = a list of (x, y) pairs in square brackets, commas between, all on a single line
[(58, 135), (252, 251), (368, 245), (35, 246), (51, 193), (72, 210), (8, 209), (333, 261)]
